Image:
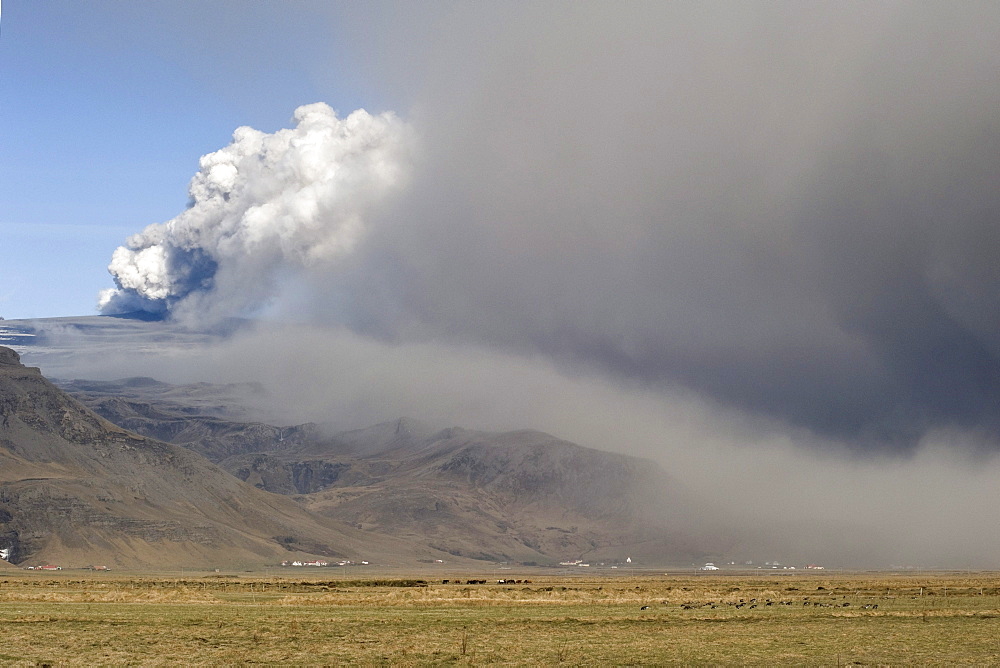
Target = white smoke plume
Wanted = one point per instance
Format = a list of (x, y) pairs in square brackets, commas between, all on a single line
[(264, 206)]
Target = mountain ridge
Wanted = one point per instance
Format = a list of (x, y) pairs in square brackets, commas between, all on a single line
[(74, 486), (522, 495)]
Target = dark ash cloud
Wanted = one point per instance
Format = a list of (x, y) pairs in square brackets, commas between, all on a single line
[(789, 209)]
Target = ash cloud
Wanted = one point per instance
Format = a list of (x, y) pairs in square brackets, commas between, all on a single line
[(263, 207), (789, 210)]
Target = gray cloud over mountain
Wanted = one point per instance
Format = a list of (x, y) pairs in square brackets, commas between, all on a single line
[(789, 209)]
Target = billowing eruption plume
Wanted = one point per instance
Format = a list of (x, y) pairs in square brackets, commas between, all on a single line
[(263, 206), (789, 210)]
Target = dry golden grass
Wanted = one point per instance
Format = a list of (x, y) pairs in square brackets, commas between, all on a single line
[(934, 619)]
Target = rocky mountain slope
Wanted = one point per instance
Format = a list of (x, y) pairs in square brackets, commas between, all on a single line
[(212, 420), (520, 496), (77, 489)]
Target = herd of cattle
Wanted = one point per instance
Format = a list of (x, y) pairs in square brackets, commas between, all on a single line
[(482, 582), (753, 603)]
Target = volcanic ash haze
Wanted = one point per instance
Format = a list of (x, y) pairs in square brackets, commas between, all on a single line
[(774, 223), (790, 209)]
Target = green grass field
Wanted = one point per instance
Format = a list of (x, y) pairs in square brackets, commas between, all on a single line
[(204, 619)]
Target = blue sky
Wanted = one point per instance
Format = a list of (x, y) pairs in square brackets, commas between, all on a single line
[(105, 108)]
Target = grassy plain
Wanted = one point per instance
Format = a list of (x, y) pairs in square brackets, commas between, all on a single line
[(82, 618)]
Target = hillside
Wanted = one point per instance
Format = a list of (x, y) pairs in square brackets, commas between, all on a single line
[(519, 496), (77, 489), (523, 495)]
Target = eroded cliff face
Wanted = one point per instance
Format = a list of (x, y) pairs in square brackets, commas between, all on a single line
[(67, 476), (76, 488)]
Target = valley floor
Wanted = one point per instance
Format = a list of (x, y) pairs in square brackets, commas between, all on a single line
[(77, 618)]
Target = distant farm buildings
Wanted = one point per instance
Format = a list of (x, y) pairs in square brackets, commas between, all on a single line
[(320, 562)]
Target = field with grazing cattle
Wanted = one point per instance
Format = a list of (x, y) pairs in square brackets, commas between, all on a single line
[(321, 618)]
